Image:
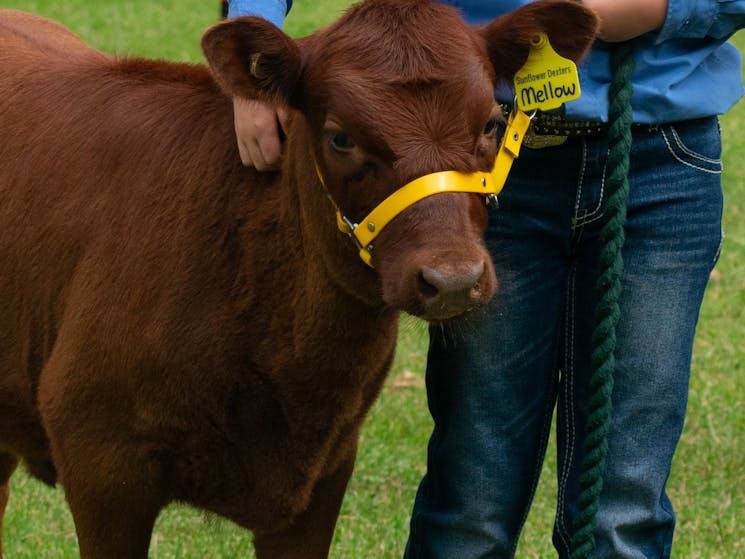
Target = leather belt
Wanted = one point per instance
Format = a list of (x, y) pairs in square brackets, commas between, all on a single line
[(550, 129)]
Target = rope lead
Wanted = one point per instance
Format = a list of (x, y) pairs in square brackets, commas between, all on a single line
[(607, 292)]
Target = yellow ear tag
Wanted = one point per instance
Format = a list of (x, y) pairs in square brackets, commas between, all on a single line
[(547, 80)]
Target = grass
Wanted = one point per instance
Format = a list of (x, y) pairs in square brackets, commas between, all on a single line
[(708, 478)]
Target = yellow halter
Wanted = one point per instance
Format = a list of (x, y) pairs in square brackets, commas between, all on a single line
[(489, 184)]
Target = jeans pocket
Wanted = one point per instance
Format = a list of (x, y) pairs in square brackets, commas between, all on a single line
[(695, 143)]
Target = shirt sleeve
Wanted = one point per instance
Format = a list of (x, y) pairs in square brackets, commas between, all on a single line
[(271, 10), (695, 19)]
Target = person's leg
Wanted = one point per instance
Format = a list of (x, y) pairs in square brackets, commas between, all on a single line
[(673, 235), (491, 379)]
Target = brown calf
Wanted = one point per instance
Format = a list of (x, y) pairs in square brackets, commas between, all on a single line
[(176, 327)]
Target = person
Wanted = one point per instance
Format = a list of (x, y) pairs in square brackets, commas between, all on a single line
[(492, 394), (258, 125)]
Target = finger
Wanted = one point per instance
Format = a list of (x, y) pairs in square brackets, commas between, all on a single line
[(245, 154), (269, 147), (255, 157), (257, 133), (283, 116)]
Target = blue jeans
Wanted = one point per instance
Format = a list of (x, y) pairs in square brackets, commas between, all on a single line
[(494, 380)]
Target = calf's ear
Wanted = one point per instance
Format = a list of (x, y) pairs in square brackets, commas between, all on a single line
[(252, 58), (570, 27)]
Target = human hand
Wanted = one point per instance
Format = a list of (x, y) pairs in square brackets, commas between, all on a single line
[(257, 132)]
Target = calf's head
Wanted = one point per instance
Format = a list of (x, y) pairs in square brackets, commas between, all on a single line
[(393, 91)]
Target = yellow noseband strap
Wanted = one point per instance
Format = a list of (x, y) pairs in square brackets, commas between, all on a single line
[(488, 184)]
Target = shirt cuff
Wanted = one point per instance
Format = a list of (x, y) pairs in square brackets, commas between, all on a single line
[(271, 10), (688, 19)]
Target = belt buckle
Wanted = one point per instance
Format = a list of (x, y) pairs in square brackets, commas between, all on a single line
[(540, 141)]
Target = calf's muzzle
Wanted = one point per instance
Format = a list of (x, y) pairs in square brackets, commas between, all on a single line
[(447, 291)]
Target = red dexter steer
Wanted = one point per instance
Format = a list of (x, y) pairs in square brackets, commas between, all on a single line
[(176, 327)]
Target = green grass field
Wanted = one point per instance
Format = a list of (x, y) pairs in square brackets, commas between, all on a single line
[(708, 478)]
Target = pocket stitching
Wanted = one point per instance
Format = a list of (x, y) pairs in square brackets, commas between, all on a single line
[(689, 151), (717, 162)]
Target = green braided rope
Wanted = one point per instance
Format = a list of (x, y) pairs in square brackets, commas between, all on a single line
[(607, 289)]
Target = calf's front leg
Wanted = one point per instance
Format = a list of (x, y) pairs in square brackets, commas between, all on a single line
[(7, 465), (310, 533)]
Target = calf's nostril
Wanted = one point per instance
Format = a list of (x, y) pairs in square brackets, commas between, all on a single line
[(428, 284), (432, 279), (443, 281), (451, 288)]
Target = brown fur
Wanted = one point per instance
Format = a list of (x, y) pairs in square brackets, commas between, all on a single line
[(174, 326)]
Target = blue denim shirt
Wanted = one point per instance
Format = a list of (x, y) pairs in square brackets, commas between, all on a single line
[(685, 70), (273, 10)]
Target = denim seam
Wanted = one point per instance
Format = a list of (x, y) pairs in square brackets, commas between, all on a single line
[(545, 433), (580, 183), (589, 216), (570, 434), (413, 547), (667, 507), (719, 249), (684, 150)]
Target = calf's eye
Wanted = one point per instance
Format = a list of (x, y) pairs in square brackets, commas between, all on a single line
[(341, 141), (491, 126)]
